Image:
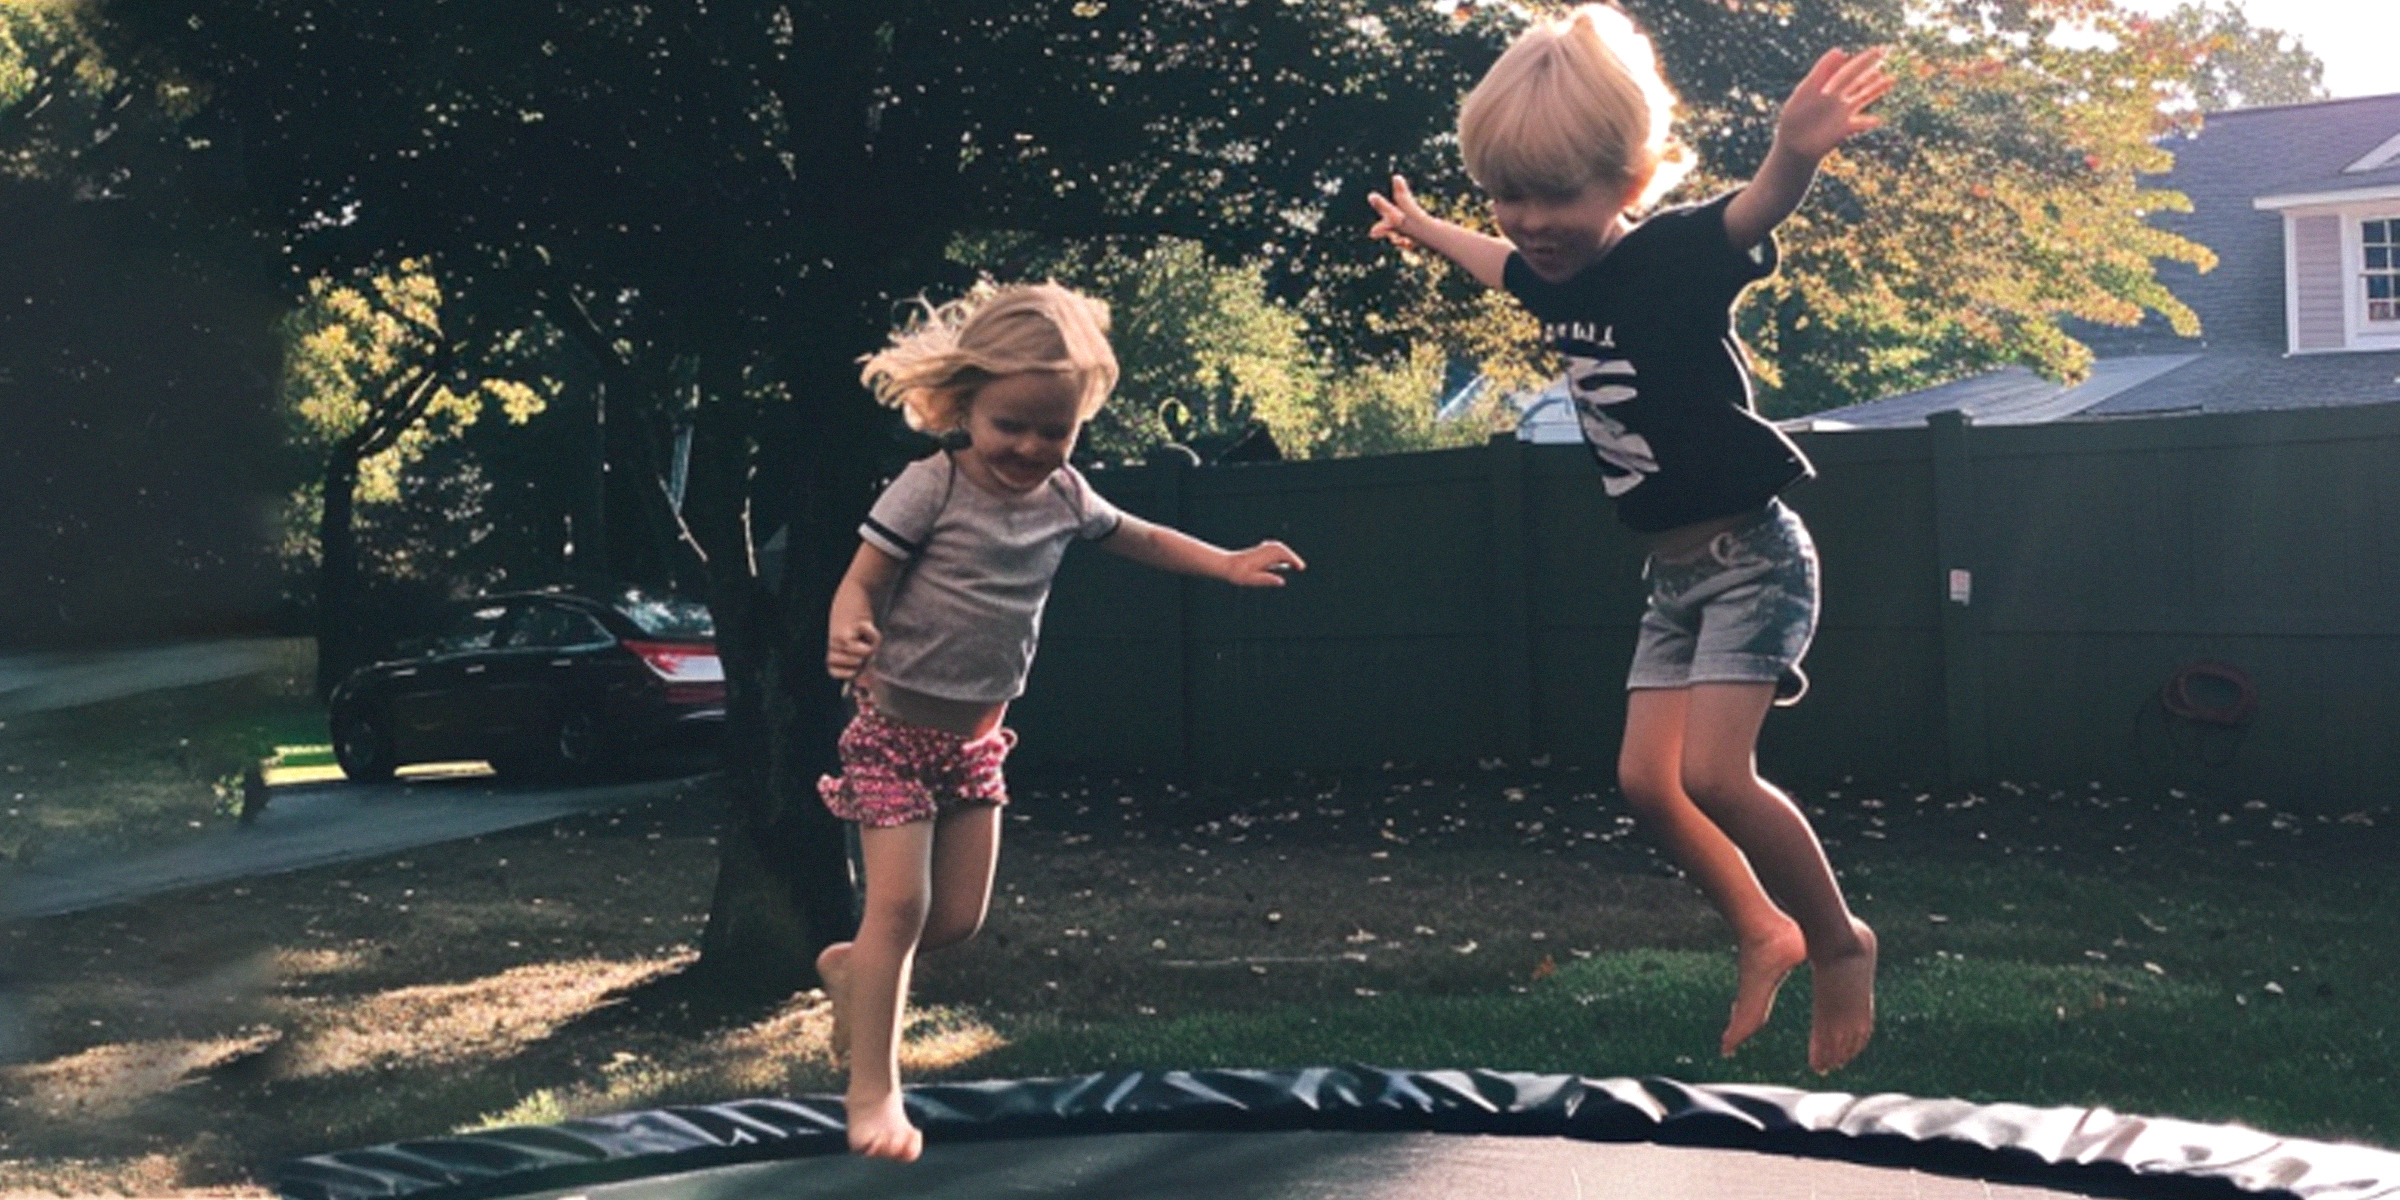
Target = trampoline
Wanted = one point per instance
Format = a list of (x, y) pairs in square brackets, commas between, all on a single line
[(1355, 1133)]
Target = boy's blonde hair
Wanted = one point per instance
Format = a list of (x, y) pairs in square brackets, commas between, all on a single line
[(1574, 102), (936, 361)]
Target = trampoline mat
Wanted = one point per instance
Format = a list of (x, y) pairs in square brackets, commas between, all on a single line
[(1360, 1133), (1315, 1166)]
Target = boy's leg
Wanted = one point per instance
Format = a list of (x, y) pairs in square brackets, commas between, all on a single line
[(1650, 770), (869, 984), (1720, 772)]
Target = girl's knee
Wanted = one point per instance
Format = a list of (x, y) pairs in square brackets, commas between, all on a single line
[(903, 915), (950, 932)]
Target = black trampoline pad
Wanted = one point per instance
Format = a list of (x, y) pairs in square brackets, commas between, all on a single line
[(1313, 1166), (1364, 1133)]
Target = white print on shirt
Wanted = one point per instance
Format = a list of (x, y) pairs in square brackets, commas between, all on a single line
[(1625, 456)]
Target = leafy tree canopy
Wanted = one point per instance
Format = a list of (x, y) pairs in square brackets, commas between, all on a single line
[(2241, 65), (2002, 197)]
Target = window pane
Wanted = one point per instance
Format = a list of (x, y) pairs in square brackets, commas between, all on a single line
[(2379, 258), (2376, 231), (2379, 287)]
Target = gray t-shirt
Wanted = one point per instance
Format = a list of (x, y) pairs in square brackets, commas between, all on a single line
[(967, 611)]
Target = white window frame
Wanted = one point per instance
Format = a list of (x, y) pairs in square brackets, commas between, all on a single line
[(2352, 210), (2364, 330)]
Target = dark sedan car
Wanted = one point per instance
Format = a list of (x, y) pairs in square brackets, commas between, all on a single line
[(547, 684)]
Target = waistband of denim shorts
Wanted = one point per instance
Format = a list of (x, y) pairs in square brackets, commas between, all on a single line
[(1766, 514)]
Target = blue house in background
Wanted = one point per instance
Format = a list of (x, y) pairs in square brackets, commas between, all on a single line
[(2301, 204)]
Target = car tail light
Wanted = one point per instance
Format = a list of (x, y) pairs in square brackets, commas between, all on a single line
[(690, 670)]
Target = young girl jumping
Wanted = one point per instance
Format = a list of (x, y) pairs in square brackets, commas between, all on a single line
[(934, 626), (1569, 135)]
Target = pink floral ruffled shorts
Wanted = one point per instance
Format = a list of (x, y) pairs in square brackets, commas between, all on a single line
[(894, 772)]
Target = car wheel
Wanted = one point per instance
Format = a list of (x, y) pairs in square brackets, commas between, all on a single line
[(363, 747), (580, 746)]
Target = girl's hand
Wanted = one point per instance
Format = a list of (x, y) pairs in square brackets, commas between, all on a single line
[(1830, 105), (1393, 215), (847, 648), (1262, 565)]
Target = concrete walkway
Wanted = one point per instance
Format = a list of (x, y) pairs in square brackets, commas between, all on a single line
[(312, 825), (39, 682)]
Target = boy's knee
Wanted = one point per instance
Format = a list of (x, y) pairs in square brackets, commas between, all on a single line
[(1645, 785), (1713, 787)]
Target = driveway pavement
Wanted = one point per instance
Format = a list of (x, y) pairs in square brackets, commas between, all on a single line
[(305, 824)]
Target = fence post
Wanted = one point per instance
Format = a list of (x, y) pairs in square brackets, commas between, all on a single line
[(1964, 729), (1512, 610), (1174, 476)]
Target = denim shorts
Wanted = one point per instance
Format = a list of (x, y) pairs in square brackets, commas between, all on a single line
[(1740, 609)]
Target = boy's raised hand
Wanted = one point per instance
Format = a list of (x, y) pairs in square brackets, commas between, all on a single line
[(1830, 105), (1393, 214)]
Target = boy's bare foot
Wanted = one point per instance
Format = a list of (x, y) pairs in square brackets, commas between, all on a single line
[(833, 966), (880, 1129), (1763, 965), (1843, 985)]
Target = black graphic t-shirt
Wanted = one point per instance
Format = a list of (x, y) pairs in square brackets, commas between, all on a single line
[(1658, 380)]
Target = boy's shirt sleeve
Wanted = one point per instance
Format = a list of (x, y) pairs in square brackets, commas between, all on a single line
[(1711, 244), (902, 517)]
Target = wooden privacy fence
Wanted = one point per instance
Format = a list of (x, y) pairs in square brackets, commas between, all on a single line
[(2194, 600)]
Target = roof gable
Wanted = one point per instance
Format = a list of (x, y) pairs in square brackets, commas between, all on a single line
[(2330, 146)]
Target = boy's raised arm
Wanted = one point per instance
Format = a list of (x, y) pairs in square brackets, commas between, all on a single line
[(1399, 220), (1824, 111)]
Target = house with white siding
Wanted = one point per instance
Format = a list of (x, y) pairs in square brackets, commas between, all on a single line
[(2301, 204)]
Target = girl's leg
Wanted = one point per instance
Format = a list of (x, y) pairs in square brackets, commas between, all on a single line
[(1650, 770), (966, 848), (1720, 772), (868, 981)]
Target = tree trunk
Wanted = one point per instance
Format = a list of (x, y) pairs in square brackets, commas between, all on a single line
[(338, 633), (784, 887)]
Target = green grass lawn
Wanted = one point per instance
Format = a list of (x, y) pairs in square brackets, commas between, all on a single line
[(2208, 957), (147, 769), (2176, 956)]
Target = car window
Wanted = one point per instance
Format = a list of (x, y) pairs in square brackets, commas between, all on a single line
[(472, 630), (666, 616), (553, 626)]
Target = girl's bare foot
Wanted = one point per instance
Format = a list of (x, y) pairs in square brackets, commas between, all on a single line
[(833, 966), (1764, 963), (1843, 985), (880, 1129)]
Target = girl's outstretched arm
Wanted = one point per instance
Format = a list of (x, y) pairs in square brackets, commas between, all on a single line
[(1155, 545), (1828, 108), (1400, 220)]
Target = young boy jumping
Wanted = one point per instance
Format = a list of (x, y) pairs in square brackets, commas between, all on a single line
[(1569, 136)]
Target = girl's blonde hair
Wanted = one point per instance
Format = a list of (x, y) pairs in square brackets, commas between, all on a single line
[(940, 356), (1574, 102)]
